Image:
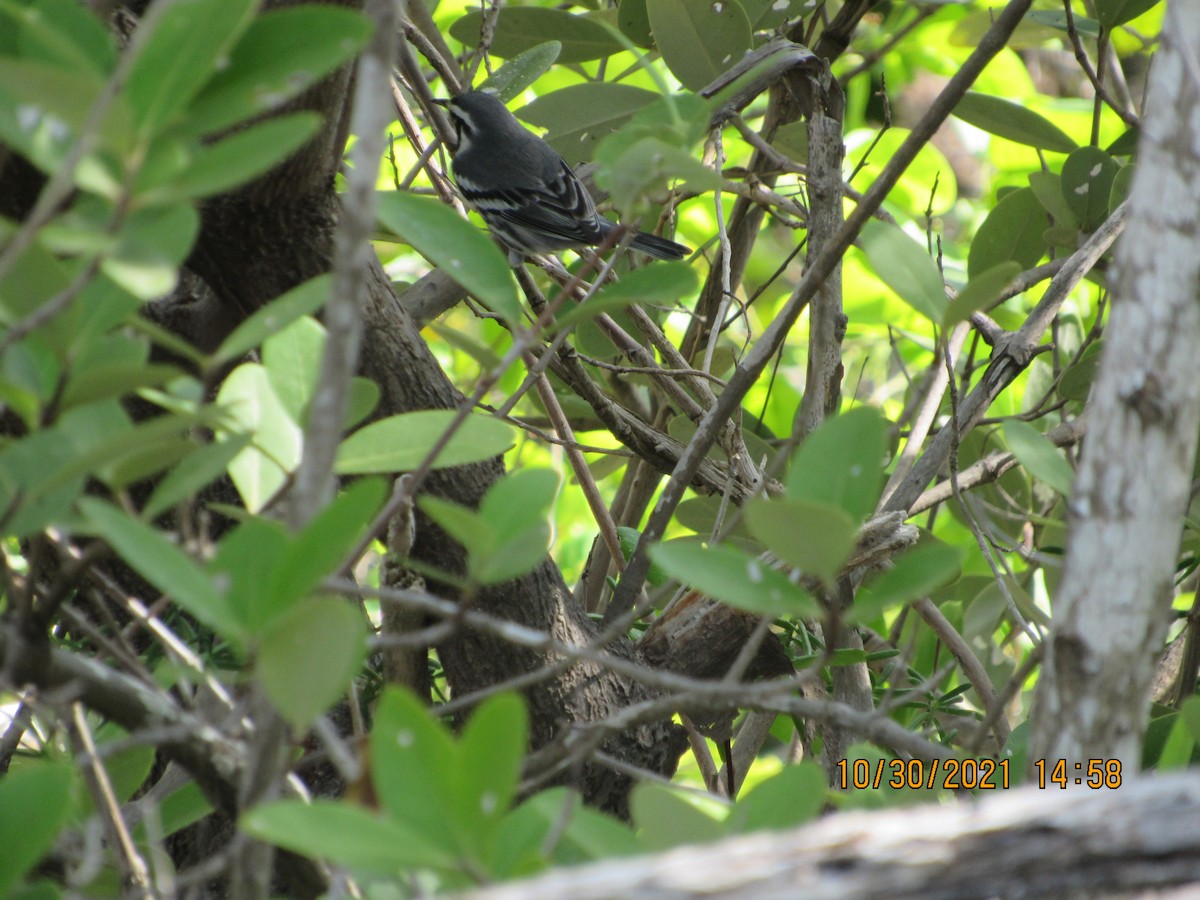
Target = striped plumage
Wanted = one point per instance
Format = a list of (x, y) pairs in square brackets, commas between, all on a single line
[(528, 195)]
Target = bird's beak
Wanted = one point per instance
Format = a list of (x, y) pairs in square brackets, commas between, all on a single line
[(442, 103)]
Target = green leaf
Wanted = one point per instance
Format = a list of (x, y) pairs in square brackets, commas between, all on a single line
[(915, 574), (1180, 746), (512, 555), (732, 576), (519, 499), (493, 746), (247, 560), (400, 443), (585, 834), (309, 657), (325, 542), (162, 564), (292, 358), (1039, 456), (666, 818), (1087, 182), (1012, 121), (841, 463), (302, 300), (454, 245), (794, 796), (182, 807), (521, 71), (906, 267), (813, 536), (663, 283), (699, 39), (237, 159), (344, 834), (35, 805), (188, 41), (1047, 187), (1077, 380), (634, 21), (647, 165), (520, 28), (153, 244), (252, 407), (37, 99), (416, 767), (1012, 231), (1113, 13), (1122, 186), (981, 291), (578, 117), (64, 33), (283, 53), (462, 524)]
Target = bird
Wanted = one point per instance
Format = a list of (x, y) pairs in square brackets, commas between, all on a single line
[(524, 190)]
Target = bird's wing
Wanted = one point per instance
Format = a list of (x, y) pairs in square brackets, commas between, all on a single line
[(560, 206)]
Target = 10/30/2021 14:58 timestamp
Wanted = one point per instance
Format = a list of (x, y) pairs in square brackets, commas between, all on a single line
[(972, 774)]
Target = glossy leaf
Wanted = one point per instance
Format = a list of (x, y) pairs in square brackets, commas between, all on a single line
[(400, 443), (1038, 455), (1113, 13), (521, 71), (282, 53), (454, 245), (246, 563), (187, 42), (1012, 231), (64, 33), (1087, 181), (981, 292), (308, 658), (292, 359), (841, 463), (732, 576), (699, 39), (239, 158), (253, 407), (153, 243), (579, 116), (325, 542), (518, 28), (664, 283), (906, 267), (1012, 121), (915, 574), (815, 537)]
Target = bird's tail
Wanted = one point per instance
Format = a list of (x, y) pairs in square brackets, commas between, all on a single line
[(650, 244), (659, 247)]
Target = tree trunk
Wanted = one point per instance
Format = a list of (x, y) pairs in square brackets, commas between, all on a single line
[(1133, 487)]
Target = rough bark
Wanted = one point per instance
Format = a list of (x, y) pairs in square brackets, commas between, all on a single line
[(1134, 483), (1026, 843)]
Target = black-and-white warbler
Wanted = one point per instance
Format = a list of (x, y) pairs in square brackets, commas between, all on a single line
[(528, 195)]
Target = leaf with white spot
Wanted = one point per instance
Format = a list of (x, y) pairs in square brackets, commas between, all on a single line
[(699, 39)]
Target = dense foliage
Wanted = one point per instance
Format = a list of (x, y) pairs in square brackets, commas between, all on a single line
[(858, 436)]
